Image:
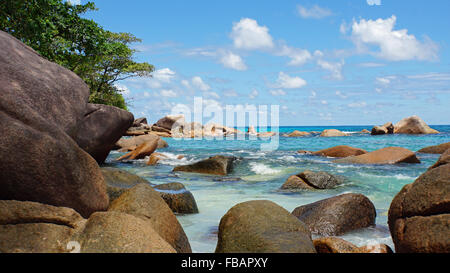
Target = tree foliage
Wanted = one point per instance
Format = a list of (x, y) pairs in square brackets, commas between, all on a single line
[(58, 32)]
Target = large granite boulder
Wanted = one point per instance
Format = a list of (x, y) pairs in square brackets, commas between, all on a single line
[(337, 215), (389, 155), (332, 133), (413, 125), (438, 149), (141, 151), (30, 227), (144, 202), (101, 128), (419, 216), (119, 181), (340, 151), (262, 227), (116, 232), (177, 197), (216, 165), (42, 108)]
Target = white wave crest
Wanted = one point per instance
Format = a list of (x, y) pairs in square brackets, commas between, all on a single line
[(260, 168)]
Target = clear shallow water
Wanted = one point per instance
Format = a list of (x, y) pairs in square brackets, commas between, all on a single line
[(262, 173)]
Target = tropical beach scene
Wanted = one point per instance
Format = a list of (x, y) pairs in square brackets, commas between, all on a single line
[(224, 126)]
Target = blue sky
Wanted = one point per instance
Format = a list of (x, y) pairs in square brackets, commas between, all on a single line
[(340, 62)]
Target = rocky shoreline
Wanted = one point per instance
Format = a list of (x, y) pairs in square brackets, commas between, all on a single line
[(55, 197)]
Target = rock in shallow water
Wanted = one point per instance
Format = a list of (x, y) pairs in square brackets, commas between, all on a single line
[(332, 133), (216, 165), (438, 149), (262, 227), (413, 125), (337, 215), (419, 216), (311, 180), (177, 198), (389, 155), (340, 151)]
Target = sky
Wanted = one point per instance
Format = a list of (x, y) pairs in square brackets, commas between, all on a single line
[(339, 62)]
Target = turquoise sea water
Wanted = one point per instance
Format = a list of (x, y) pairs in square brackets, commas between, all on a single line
[(259, 174)]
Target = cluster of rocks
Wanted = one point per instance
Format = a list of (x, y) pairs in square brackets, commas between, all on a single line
[(53, 195), (411, 125)]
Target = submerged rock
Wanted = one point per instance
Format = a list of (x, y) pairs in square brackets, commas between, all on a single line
[(332, 133), (262, 227), (294, 183), (389, 155), (438, 149), (413, 125), (340, 151), (146, 203), (42, 109), (419, 215), (177, 198), (216, 165), (337, 215)]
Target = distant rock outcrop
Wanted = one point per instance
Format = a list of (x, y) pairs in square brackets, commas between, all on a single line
[(332, 133), (413, 125)]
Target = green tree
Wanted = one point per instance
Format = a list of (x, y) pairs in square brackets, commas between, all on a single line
[(56, 30)]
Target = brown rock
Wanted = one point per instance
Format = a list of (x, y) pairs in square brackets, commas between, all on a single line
[(130, 144), (144, 202), (118, 181), (168, 122), (377, 248), (332, 133), (389, 155), (337, 215), (251, 130), (139, 121), (297, 133), (419, 216), (143, 150), (438, 149), (116, 232), (334, 245), (296, 183), (262, 227), (30, 227), (443, 159), (177, 198), (101, 129), (216, 165), (42, 106), (387, 128), (340, 151), (413, 125), (154, 158), (365, 131)]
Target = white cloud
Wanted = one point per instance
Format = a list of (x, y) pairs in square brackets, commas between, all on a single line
[(385, 80), (247, 34), (230, 93), (253, 94), (197, 82), (163, 75), (341, 95), (211, 94), (233, 61), (313, 95), (123, 89), (374, 2), (324, 102), (288, 82), (325, 116), (186, 83), (277, 92), (360, 104), (394, 45), (334, 68), (378, 90), (168, 93), (74, 2), (314, 12), (298, 56)]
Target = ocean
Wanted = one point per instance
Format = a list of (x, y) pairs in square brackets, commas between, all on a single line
[(259, 175)]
